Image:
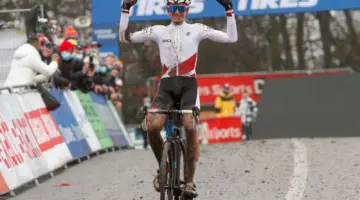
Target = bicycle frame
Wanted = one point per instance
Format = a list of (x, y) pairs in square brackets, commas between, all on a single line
[(174, 149)]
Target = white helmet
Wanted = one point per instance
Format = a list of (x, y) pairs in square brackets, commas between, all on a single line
[(187, 2)]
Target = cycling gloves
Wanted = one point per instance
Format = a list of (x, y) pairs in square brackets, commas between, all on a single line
[(128, 3), (227, 4)]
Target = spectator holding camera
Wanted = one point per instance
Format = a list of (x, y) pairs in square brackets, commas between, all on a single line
[(57, 80), (87, 81), (112, 86), (27, 66), (46, 48)]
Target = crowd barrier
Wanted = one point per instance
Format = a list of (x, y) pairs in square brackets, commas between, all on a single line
[(35, 142)]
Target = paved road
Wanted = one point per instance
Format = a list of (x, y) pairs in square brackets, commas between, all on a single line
[(272, 170)]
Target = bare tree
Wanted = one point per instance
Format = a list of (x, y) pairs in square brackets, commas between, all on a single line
[(274, 44), (353, 56), (300, 40), (289, 62), (326, 38)]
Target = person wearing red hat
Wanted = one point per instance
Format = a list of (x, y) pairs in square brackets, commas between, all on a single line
[(67, 47), (66, 66)]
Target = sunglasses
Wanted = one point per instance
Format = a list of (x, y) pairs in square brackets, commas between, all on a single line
[(180, 8)]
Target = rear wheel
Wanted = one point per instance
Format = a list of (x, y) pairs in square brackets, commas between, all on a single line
[(166, 173)]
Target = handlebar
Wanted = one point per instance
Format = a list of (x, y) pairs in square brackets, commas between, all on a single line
[(161, 111), (195, 112)]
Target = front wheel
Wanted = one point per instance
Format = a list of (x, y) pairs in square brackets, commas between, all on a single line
[(166, 174)]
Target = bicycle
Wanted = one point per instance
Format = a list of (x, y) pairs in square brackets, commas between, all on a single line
[(170, 182)]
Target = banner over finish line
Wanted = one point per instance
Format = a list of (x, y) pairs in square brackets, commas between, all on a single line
[(149, 10)]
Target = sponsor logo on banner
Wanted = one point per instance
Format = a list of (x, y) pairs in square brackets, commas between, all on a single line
[(105, 34), (50, 125), (23, 136), (275, 4), (38, 127), (150, 10), (9, 156), (210, 86), (69, 127), (82, 120), (219, 130), (103, 110), (94, 119), (17, 136)]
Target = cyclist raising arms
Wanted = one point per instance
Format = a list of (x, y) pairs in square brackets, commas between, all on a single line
[(178, 44)]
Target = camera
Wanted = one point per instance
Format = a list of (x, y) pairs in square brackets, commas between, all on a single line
[(91, 62)]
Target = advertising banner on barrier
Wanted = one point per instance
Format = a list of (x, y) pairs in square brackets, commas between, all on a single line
[(69, 127), (40, 115), (120, 123), (220, 130), (150, 10), (94, 119), (20, 155), (46, 133), (82, 120), (210, 86), (108, 120)]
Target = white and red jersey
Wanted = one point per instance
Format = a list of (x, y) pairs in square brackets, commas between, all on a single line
[(178, 44)]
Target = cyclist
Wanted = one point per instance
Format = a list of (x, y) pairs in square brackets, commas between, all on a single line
[(178, 45)]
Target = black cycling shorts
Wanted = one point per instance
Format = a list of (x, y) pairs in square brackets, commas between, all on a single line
[(177, 92)]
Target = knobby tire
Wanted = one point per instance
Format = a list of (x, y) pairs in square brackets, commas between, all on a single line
[(165, 170)]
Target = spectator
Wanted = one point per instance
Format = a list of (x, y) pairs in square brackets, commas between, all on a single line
[(27, 64), (78, 57), (57, 80), (59, 36), (71, 33), (247, 110), (120, 65), (63, 77), (45, 48), (46, 51), (140, 116), (87, 81), (81, 67), (110, 61), (225, 104), (115, 86), (95, 45)]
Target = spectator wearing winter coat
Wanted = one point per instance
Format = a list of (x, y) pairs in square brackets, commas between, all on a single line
[(225, 104), (247, 110), (27, 66), (56, 80)]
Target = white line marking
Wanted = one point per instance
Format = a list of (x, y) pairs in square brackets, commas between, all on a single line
[(300, 173)]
